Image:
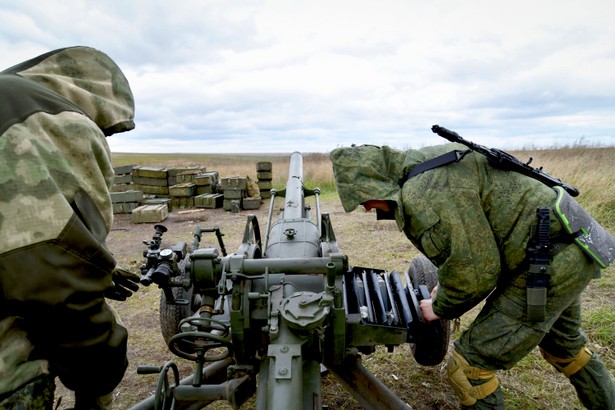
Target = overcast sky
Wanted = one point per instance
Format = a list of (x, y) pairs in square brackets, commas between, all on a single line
[(281, 76)]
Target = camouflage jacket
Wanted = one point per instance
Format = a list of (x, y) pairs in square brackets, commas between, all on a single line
[(472, 220), (55, 213)]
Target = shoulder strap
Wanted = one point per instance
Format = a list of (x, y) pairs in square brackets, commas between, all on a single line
[(444, 159)]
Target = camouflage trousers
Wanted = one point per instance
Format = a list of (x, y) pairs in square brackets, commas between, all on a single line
[(36, 395), (501, 335)]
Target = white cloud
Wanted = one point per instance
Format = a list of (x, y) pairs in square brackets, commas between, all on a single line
[(241, 76)]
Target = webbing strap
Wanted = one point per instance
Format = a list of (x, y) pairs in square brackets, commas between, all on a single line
[(444, 159)]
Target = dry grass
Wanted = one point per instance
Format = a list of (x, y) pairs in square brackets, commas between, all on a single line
[(532, 384)]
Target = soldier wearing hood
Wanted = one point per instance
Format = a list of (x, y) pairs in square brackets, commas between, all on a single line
[(474, 222), (55, 214)]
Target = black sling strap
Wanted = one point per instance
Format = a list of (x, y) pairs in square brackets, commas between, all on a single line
[(444, 159)]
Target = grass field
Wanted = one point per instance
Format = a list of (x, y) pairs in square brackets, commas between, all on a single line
[(532, 384)]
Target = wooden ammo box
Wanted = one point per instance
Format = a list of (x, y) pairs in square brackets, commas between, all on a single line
[(183, 189), (206, 182), (251, 202), (158, 201), (234, 193), (150, 213), (236, 183), (182, 202), (207, 178), (209, 201), (125, 202), (188, 175), (127, 196), (150, 172)]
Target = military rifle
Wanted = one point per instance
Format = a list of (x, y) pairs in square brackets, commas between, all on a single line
[(504, 160)]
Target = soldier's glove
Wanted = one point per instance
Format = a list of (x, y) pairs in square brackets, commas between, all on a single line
[(124, 284)]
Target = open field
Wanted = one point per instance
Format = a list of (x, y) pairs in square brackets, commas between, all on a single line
[(533, 384)]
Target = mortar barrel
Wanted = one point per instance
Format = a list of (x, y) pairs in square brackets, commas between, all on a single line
[(294, 205)]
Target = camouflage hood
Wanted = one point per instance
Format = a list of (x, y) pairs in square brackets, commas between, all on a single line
[(89, 79), (368, 172)]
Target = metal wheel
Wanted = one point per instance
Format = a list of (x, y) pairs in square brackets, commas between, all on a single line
[(193, 346), (163, 399)]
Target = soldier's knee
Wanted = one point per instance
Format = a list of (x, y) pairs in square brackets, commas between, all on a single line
[(568, 365), (461, 375)]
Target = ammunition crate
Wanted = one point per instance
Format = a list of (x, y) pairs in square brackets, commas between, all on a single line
[(150, 172), (154, 190), (236, 183), (183, 189), (122, 187), (207, 178), (184, 177), (234, 193), (139, 180), (182, 202), (158, 201), (124, 169), (122, 179), (124, 207), (150, 214), (124, 202), (127, 196), (251, 203), (232, 205), (209, 201), (263, 166), (264, 175), (206, 189), (264, 185)]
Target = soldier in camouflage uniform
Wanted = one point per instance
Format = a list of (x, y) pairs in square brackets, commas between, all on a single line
[(473, 222), (55, 213)]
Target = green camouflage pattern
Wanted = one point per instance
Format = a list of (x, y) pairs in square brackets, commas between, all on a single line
[(55, 111), (36, 395), (470, 219), (473, 221), (15, 349), (88, 78), (43, 163)]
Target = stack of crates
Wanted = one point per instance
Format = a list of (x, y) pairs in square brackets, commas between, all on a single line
[(207, 183), (125, 202), (124, 196), (234, 190), (207, 191), (264, 175), (150, 180), (122, 181), (183, 187)]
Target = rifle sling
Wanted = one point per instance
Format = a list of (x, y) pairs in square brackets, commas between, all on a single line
[(444, 159)]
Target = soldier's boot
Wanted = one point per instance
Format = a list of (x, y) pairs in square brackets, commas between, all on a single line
[(590, 378), (475, 388), (36, 395)]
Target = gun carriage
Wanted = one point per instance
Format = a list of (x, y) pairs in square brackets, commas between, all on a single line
[(270, 317)]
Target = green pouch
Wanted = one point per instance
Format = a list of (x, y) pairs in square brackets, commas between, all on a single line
[(588, 234)]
